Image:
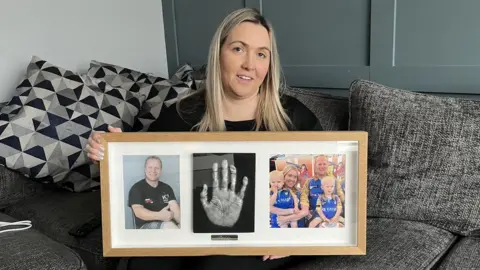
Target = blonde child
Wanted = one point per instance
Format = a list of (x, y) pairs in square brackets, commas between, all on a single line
[(329, 206)]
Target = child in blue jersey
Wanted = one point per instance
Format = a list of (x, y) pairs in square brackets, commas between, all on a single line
[(281, 197), (329, 206)]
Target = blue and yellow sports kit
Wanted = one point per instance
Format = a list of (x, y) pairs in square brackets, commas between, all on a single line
[(328, 206), (284, 201)]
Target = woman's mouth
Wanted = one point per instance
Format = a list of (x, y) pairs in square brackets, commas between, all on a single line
[(245, 78)]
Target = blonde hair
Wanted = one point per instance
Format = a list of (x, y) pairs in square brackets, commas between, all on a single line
[(276, 174), (328, 179), (286, 170), (270, 113)]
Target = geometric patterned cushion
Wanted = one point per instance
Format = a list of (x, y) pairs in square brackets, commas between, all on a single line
[(158, 90), (44, 128), (423, 155)]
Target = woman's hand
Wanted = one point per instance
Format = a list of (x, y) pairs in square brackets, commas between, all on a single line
[(94, 148), (273, 257)]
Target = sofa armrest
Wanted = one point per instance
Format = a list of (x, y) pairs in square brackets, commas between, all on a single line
[(30, 249), (15, 186)]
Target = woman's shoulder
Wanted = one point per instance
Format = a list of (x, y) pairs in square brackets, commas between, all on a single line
[(302, 117), (180, 116)]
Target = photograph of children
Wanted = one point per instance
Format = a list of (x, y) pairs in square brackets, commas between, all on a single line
[(152, 192), (307, 191), (223, 193)]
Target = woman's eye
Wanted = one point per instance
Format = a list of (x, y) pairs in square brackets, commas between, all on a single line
[(262, 55), (237, 49)]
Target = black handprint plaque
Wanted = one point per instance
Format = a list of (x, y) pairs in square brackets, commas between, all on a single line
[(223, 194)]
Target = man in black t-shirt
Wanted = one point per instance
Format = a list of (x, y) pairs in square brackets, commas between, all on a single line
[(153, 202)]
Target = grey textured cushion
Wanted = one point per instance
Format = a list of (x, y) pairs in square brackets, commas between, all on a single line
[(55, 213), (332, 111), (423, 153), (15, 186), (391, 244), (464, 255), (30, 249)]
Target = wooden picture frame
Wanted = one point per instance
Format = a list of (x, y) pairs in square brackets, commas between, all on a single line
[(186, 167)]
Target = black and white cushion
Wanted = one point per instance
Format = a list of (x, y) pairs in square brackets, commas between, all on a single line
[(44, 128), (158, 90)]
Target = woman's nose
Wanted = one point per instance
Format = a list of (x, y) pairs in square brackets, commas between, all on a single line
[(248, 62)]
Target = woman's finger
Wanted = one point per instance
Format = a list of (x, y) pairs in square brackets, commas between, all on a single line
[(96, 136), (93, 147), (273, 257), (94, 157), (96, 146), (114, 129)]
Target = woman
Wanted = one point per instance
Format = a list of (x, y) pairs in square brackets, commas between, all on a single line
[(291, 176), (241, 93)]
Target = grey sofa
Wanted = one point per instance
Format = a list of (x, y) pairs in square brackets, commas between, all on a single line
[(423, 189)]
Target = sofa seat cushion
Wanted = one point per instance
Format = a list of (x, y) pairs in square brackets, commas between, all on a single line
[(30, 249), (391, 244), (15, 187), (463, 255), (54, 213)]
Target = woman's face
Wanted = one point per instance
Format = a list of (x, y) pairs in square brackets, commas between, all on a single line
[(245, 59), (304, 168), (291, 178)]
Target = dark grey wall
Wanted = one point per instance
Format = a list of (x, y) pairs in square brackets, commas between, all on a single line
[(426, 46)]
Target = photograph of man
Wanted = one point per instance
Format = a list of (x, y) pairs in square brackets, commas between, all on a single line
[(152, 200)]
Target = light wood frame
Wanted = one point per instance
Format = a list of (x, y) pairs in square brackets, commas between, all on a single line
[(359, 136)]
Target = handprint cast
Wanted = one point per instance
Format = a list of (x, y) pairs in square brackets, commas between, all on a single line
[(225, 206), (224, 192)]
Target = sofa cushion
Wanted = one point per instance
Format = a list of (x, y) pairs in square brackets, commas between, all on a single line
[(56, 212), (391, 244), (158, 90), (29, 249), (45, 126), (15, 187), (462, 255), (423, 152), (332, 111)]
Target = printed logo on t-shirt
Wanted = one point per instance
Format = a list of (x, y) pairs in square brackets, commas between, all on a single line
[(148, 201), (165, 198)]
